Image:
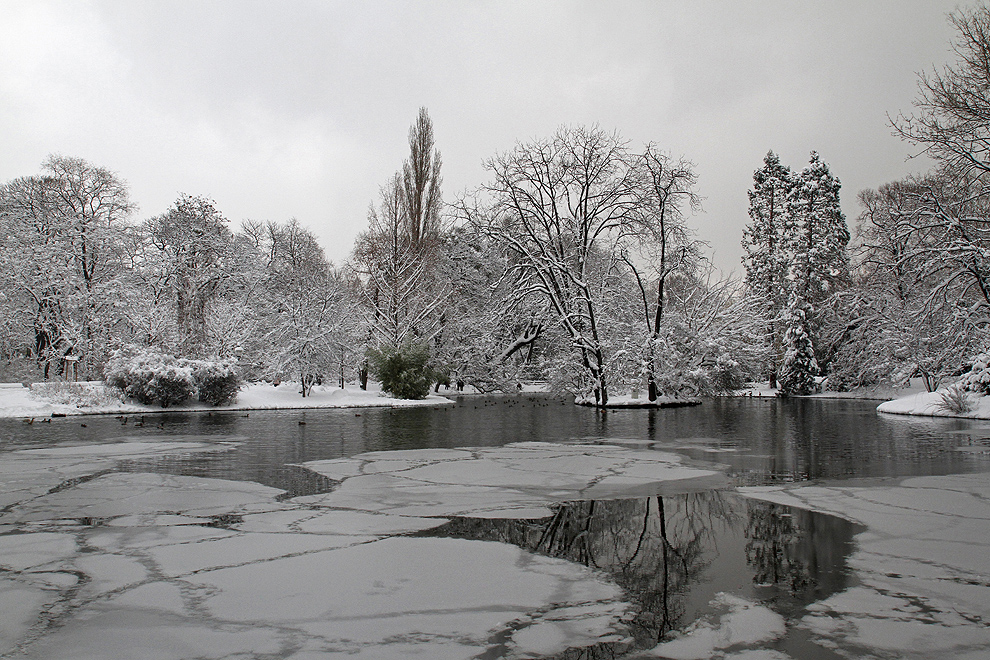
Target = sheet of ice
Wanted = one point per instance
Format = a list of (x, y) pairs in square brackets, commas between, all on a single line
[(103, 564), (29, 473), (439, 591), (923, 566), (518, 480)]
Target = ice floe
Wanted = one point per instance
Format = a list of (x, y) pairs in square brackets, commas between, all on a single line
[(96, 563), (923, 567), (520, 480), (104, 564), (745, 624)]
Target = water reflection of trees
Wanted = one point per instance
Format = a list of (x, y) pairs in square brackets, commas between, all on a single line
[(799, 556), (653, 548), (658, 548)]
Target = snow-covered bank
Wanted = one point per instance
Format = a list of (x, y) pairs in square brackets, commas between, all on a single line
[(922, 566), (19, 401), (876, 392), (928, 404)]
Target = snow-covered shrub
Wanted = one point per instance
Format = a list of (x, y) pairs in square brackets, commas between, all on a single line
[(726, 375), (173, 384), (216, 382), (977, 379), (405, 372), (149, 376), (955, 400)]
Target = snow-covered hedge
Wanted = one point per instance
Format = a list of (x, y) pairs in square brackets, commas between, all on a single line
[(150, 377)]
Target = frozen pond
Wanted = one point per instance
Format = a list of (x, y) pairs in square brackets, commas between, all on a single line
[(564, 533)]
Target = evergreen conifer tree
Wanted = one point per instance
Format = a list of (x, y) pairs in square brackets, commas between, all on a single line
[(766, 243), (818, 235), (798, 371)]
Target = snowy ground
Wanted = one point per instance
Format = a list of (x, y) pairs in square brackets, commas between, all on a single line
[(927, 404), (19, 401), (100, 564)]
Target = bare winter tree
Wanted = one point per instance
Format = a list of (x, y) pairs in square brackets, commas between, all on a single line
[(61, 250), (566, 207), (421, 194), (953, 120), (930, 235), (668, 193)]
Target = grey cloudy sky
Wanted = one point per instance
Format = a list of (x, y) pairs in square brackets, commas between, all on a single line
[(302, 108)]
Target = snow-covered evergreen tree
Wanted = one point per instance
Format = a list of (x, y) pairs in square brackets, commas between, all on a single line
[(764, 240), (766, 244), (817, 234), (798, 371)]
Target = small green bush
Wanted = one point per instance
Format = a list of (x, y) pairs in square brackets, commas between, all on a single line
[(405, 372)]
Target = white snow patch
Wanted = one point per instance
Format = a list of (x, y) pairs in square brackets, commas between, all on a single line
[(19, 401), (927, 404)]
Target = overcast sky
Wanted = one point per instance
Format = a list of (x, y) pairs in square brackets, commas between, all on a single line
[(302, 108)]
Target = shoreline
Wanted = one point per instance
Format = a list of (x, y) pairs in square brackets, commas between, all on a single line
[(17, 402)]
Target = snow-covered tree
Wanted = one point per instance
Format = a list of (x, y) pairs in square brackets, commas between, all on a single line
[(398, 255), (561, 204), (570, 210), (193, 250), (817, 236), (668, 193), (61, 258), (923, 280), (765, 241), (799, 368), (304, 314)]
